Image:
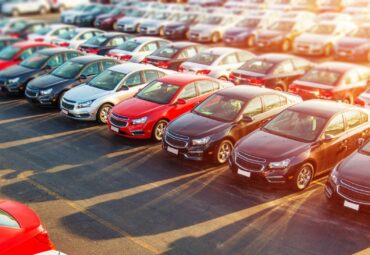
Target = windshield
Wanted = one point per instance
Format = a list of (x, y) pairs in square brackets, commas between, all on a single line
[(96, 40), (35, 61), (158, 92), (18, 26), (107, 80), (322, 76), (68, 35), (68, 70), (213, 20), (251, 23), (7, 221), (43, 30), (366, 148), (261, 66), (128, 46), (284, 26), (136, 13), (204, 58), (9, 52), (115, 11), (166, 52), (322, 29), (221, 108), (296, 125), (363, 32)]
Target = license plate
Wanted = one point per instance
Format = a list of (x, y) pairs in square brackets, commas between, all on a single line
[(114, 129), (351, 205), (173, 150), (65, 112), (244, 173)]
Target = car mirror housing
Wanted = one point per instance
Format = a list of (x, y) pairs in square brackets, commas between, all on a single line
[(180, 101), (328, 138), (247, 119), (124, 87), (83, 77)]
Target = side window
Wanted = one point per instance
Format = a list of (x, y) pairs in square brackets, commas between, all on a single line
[(283, 100), (70, 55), (285, 67), (188, 92), (253, 108), (151, 75), (205, 86), (354, 118), (229, 59), (92, 69), (365, 117), (216, 85), (161, 44), (272, 102), (115, 41), (351, 78), (60, 31), (86, 36), (336, 126), (150, 47), (133, 80), (35, 28), (26, 53), (107, 64), (187, 53), (243, 56), (300, 64), (55, 61)]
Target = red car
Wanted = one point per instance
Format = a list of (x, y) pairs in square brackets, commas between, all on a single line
[(21, 232), (108, 20), (16, 53), (147, 114)]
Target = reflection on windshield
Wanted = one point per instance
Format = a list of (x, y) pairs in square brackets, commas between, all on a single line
[(107, 80), (251, 23), (204, 58), (9, 52), (35, 61), (326, 77), (284, 26), (68, 35), (43, 30), (158, 92), (128, 46), (212, 20), (68, 70), (257, 66), (96, 40), (166, 52)]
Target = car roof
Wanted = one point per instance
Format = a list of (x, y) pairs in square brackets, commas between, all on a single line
[(246, 92), (339, 66), (89, 58), (183, 79), (221, 50), (182, 44), (130, 67), (276, 57), (51, 51), (25, 44), (143, 39)]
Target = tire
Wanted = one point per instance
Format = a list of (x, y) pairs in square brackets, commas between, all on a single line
[(250, 41), (303, 177), (328, 50), (15, 12), (161, 31), (286, 45), (223, 78), (215, 37), (348, 100), (223, 152), (158, 130), (280, 87), (42, 10), (103, 112)]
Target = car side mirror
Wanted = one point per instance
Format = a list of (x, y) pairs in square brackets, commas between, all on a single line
[(247, 119), (83, 77), (124, 88), (328, 138), (180, 101)]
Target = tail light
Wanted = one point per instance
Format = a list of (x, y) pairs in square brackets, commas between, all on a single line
[(43, 237), (14, 34), (203, 72), (163, 64), (64, 44), (359, 102), (293, 88), (95, 51), (144, 61), (257, 81), (181, 69), (232, 76), (109, 54), (39, 39), (326, 94), (125, 57)]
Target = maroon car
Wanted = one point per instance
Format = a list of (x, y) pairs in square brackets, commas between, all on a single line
[(108, 20), (333, 81), (303, 141), (349, 182)]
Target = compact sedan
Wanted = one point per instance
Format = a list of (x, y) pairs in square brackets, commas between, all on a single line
[(131, 22), (173, 55), (349, 181), (147, 114), (321, 38), (216, 62), (14, 79), (21, 230), (101, 44), (49, 33), (179, 28), (87, 17), (49, 89), (7, 40), (156, 23), (75, 37), (304, 141), (23, 29), (333, 81), (136, 49), (17, 52), (214, 126), (94, 100)]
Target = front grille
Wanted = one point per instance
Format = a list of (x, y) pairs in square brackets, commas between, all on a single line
[(67, 106), (118, 123), (32, 93), (250, 163), (354, 193), (177, 141), (119, 117), (69, 101)]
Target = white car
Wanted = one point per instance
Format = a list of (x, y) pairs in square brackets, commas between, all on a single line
[(75, 37), (365, 98), (62, 5), (93, 101), (136, 49), (216, 62), (17, 7), (50, 32)]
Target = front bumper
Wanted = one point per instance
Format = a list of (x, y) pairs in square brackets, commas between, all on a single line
[(175, 34), (84, 23), (70, 110), (123, 126), (350, 55), (309, 50), (103, 25), (196, 37), (34, 97), (234, 40), (149, 31), (126, 28)]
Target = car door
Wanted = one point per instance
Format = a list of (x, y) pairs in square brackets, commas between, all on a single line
[(130, 86), (183, 56), (358, 128), (190, 95), (229, 62)]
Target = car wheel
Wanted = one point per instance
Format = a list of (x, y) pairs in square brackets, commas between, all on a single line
[(215, 37), (328, 50), (223, 78), (303, 177), (280, 87), (286, 45), (161, 31), (223, 152), (158, 130), (42, 10), (250, 41), (15, 13), (348, 100), (103, 113)]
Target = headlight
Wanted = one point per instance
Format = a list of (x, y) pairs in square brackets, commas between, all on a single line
[(14, 80), (281, 164), (201, 141), (141, 120), (334, 174), (46, 92), (85, 104)]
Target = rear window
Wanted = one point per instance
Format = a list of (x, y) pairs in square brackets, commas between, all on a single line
[(8, 221), (325, 77), (261, 66), (204, 58), (166, 52)]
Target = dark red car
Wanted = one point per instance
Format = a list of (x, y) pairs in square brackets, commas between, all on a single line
[(16, 53), (21, 231), (108, 20), (147, 114)]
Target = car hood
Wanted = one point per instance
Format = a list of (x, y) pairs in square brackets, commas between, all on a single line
[(134, 105), (356, 169), (235, 31), (48, 81), (16, 71), (194, 125), (270, 34), (352, 42), (313, 38), (85, 92), (279, 148)]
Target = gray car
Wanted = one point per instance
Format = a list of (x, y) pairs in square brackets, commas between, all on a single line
[(155, 26)]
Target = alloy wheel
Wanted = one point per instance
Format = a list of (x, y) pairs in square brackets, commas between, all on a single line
[(103, 114), (304, 177), (159, 130), (224, 152)]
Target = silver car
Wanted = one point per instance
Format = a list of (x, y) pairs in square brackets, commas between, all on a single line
[(216, 62), (365, 98), (92, 101), (131, 23)]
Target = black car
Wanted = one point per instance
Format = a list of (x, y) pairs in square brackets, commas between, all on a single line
[(23, 29), (15, 78), (173, 55), (87, 17), (275, 71), (7, 40), (178, 29), (214, 126), (49, 89)]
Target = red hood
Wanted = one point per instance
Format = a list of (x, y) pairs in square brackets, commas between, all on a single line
[(135, 108), (6, 63)]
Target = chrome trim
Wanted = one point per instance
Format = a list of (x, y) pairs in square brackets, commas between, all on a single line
[(178, 138), (249, 160), (351, 199)]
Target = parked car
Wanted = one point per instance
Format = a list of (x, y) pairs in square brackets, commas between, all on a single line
[(154, 25), (23, 29), (365, 99), (87, 17), (213, 127), (147, 114), (75, 37), (349, 182), (9, 23), (14, 79), (315, 134), (272, 70), (21, 230), (322, 37), (131, 23), (212, 28), (93, 100), (69, 16), (17, 52), (136, 49), (216, 62), (281, 34), (355, 46), (173, 55), (108, 20), (62, 5), (17, 7), (7, 41), (49, 32), (49, 89), (333, 81), (101, 44)]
